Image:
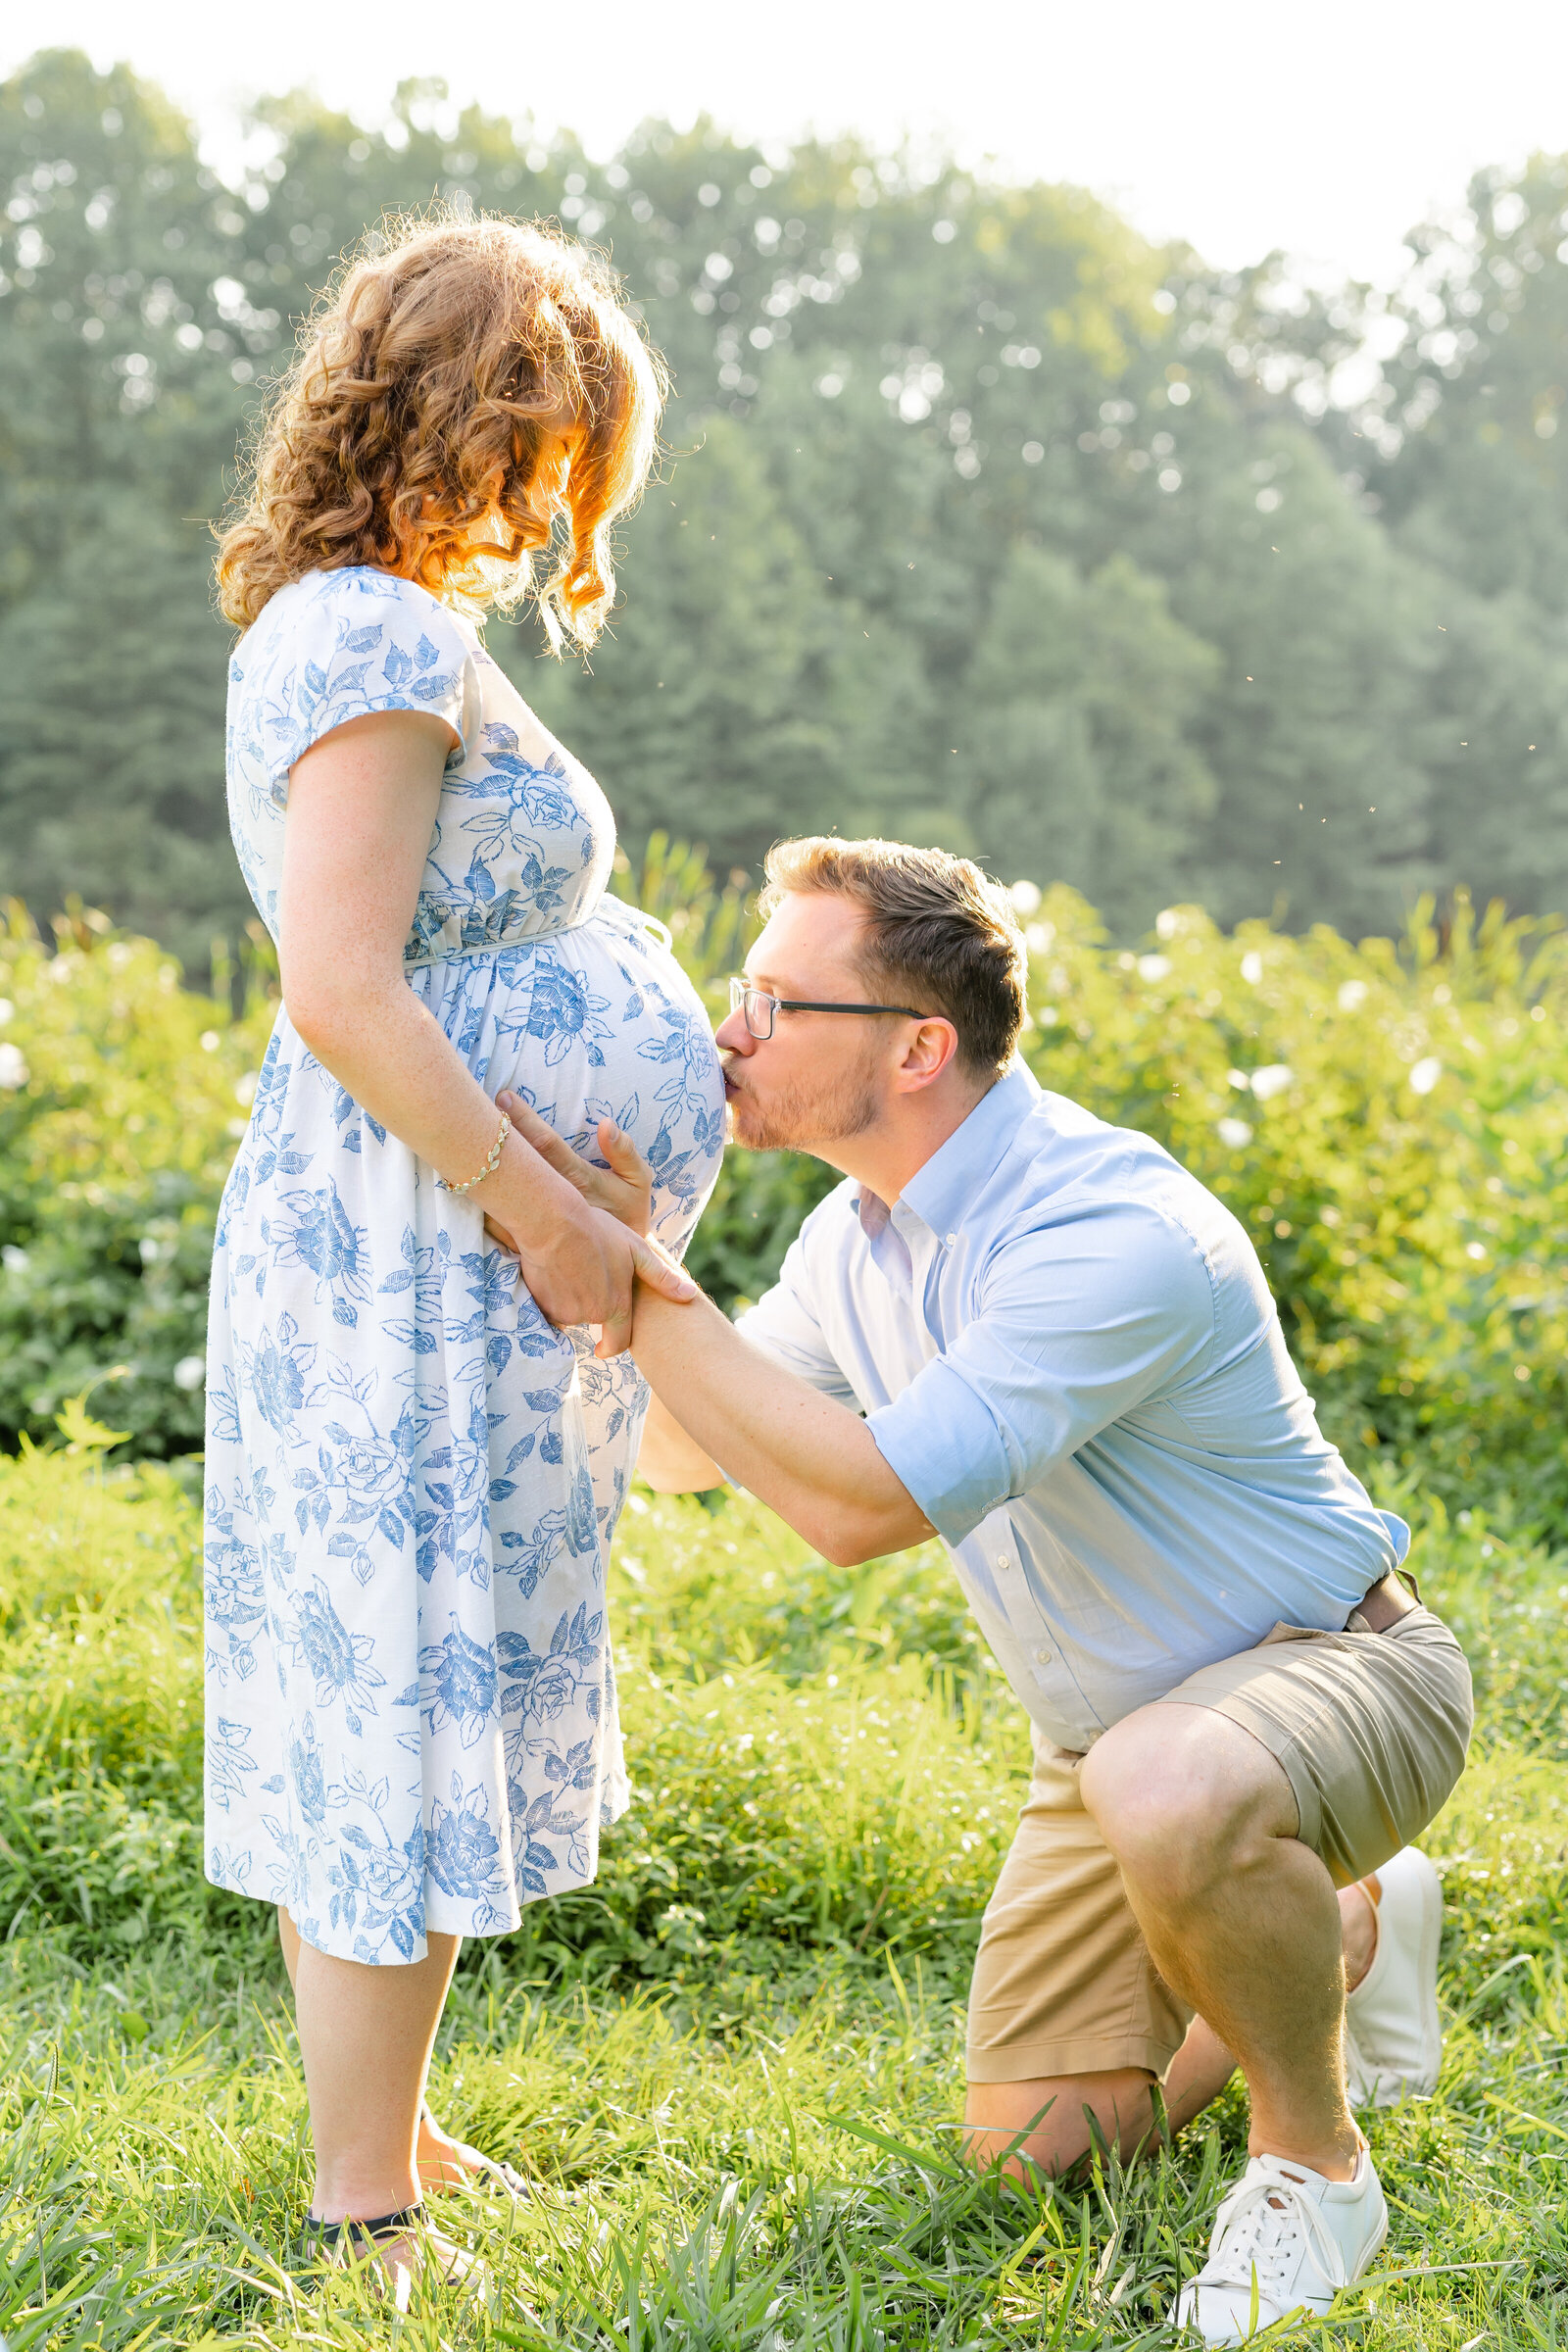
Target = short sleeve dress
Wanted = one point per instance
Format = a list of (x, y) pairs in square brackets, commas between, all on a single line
[(412, 1479)]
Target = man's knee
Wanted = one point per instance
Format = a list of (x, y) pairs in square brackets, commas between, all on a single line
[(1183, 1796), (1044, 2126)]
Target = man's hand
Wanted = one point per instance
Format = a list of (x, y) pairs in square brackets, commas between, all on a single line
[(621, 1199), (625, 1188)]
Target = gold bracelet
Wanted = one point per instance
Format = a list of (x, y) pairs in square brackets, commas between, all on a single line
[(490, 1165)]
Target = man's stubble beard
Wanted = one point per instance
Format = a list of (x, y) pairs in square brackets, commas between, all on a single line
[(795, 1119)]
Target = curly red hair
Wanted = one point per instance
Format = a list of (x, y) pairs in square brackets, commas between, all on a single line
[(437, 375)]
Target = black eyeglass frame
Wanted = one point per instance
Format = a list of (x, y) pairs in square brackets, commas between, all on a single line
[(740, 990)]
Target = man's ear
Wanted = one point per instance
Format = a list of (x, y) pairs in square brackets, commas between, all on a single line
[(932, 1050)]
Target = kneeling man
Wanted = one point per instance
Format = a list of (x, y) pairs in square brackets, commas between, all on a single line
[(1037, 1337)]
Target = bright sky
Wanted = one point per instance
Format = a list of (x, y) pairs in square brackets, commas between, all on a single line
[(1241, 125)]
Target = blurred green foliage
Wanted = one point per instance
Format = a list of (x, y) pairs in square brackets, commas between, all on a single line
[(984, 521), (122, 1095), (1391, 1124), (1390, 1121)]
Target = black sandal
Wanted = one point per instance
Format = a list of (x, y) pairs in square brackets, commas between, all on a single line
[(359, 2238)]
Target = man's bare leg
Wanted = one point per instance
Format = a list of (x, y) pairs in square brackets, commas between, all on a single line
[(1241, 1919), (995, 2113), (1051, 2111)]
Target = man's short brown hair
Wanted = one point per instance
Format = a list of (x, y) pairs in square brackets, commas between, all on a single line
[(939, 936)]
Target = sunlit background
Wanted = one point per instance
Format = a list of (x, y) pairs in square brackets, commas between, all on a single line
[(1237, 127), (1122, 448)]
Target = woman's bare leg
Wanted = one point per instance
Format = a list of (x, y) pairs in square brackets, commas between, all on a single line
[(440, 2161), (365, 2035)]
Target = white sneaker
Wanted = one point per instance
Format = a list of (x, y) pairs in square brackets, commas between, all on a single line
[(1392, 2039), (1286, 2240)]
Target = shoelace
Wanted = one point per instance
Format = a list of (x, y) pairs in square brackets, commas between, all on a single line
[(1259, 2226)]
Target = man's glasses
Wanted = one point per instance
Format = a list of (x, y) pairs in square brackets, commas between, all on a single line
[(760, 1008)]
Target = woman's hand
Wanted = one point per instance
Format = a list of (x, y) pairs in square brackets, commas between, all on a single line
[(619, 1198), (625, 1188), (586, 1272)]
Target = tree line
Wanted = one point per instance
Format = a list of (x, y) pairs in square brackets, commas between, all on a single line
[(983, 521)]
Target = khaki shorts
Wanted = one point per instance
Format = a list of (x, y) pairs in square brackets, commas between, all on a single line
[(1371, 1731)]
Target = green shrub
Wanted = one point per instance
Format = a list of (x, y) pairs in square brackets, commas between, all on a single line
[(1393, 1130), (1389, 1123), (122, 1095)]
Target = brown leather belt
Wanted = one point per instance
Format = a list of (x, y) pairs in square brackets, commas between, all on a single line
[(1386, 1603)]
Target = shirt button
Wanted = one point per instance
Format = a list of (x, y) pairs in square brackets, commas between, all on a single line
[(1004, 1559), (1042, 1657), (952, 1238)]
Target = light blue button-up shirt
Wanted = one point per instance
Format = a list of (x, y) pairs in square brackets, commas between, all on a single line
[(1066, 1350)]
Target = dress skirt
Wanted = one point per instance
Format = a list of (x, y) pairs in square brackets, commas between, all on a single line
[(412, 1480)]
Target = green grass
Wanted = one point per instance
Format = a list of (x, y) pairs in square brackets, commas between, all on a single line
[(734, 2067)]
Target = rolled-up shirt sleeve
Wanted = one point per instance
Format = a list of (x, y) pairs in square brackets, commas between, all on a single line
[(1074, 1328), (785, 1326)]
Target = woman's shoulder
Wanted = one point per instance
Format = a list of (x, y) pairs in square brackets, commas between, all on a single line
[(359, 607), (344, 644)]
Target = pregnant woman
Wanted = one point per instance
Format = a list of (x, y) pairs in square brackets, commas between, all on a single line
[(416, 1459)]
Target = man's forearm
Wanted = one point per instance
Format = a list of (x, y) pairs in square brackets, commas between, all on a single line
[(808, 1457), (669, 1459)]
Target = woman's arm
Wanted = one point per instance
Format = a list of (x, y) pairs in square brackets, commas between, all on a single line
[(362, 808)]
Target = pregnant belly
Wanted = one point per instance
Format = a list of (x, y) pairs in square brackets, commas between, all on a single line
[(595, 1023)]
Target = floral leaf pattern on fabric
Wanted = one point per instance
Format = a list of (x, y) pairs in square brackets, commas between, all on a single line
[(414, 1480)]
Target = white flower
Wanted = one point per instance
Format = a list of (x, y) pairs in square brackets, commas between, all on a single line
[(1240, 1080), (151, 1251), (1352, 995), (1025, 897), (1272, 1079), (1039, 938), (1234, 1132), (1252, 968), (1425, 1075), (14, 1260), (1153, 968), (245, 1089), (13, 1069), (7, 1008), (1475, 1250), (1167, 923), (190, 1372)]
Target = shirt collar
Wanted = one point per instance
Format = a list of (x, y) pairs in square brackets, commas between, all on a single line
[(940, 1192)]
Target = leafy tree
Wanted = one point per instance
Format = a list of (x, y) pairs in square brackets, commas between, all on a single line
[(1084, 770), (1474, 406), (725, 642), (986, 521)]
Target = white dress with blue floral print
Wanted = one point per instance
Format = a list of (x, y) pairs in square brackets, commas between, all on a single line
[(412, 1480)]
